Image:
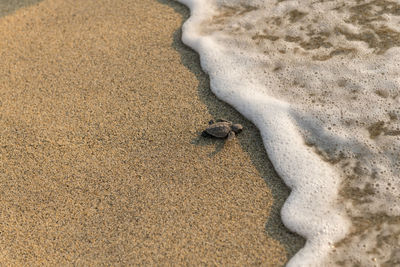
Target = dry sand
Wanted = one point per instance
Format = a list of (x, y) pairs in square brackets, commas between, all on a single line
[(101, 161)]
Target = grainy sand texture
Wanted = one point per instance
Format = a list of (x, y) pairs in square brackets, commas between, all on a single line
[(101, 162)]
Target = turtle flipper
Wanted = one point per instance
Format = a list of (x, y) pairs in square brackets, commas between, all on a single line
[(205, 134), (231, 135)]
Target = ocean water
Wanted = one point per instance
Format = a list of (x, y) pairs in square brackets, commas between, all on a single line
[(321, 81)]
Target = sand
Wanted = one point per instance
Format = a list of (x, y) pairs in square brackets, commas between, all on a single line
[(101, 161)]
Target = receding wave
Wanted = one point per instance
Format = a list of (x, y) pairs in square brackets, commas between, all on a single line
[(320, 79)]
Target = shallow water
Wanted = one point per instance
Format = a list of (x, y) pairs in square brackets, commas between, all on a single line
[(320, 79)]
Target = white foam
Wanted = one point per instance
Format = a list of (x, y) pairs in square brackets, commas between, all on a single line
[(309, 75)]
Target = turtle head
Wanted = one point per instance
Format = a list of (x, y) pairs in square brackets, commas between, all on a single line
[(237, 128)]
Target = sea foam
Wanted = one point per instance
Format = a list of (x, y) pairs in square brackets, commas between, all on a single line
[(320, 79)]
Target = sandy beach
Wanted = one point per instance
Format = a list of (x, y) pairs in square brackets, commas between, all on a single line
[(102, 162)]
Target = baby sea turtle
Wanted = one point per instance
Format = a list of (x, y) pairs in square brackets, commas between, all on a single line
[(222, 129)]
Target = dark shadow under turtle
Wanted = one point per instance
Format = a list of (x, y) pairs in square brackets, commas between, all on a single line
[(222, 129)]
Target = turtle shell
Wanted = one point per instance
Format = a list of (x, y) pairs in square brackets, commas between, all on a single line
[(219, 129)]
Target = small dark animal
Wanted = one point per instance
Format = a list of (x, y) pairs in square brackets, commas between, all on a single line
[(222, 129)]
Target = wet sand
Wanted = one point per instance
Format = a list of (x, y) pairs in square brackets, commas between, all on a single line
[(101, 161)]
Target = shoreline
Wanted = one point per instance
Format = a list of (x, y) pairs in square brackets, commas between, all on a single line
[(102, 159)]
